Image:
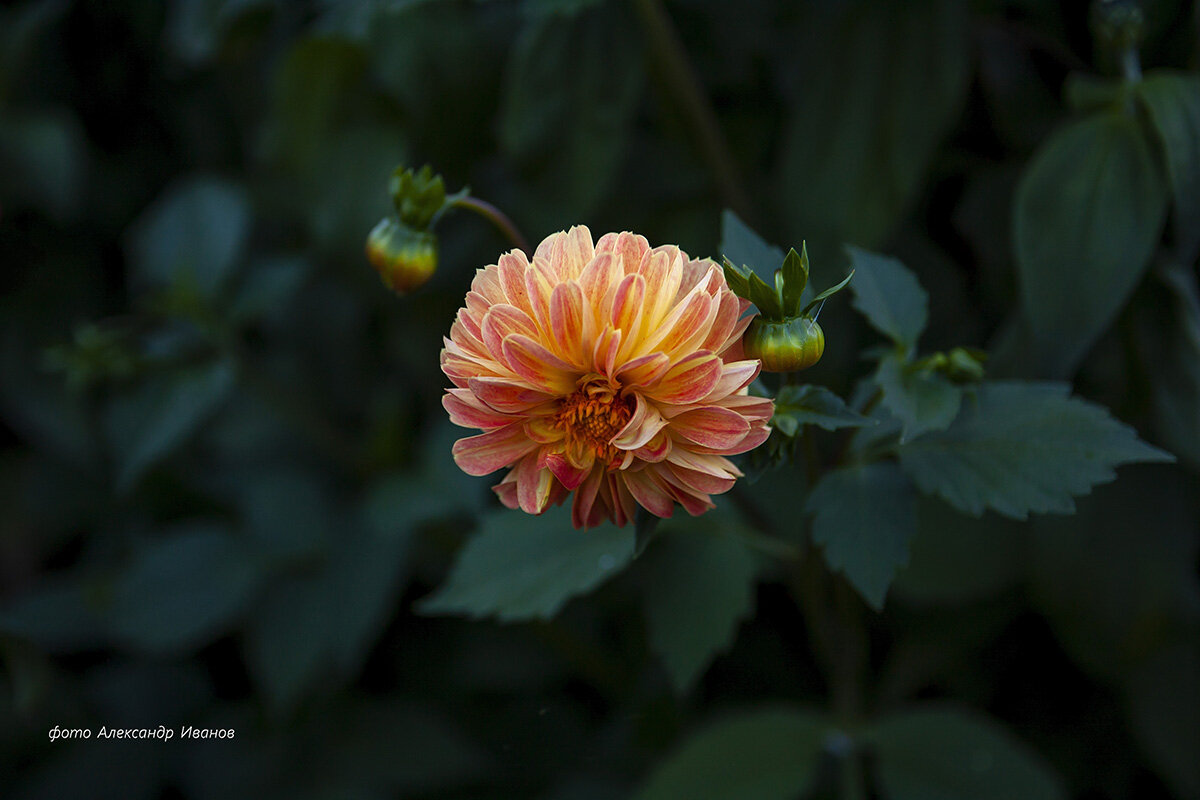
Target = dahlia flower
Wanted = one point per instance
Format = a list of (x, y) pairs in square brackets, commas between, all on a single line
[(613, 371)]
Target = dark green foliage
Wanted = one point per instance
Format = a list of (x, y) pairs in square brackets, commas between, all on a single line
[(229, 497)]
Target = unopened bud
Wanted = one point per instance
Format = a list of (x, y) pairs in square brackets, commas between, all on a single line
[(404, 258)]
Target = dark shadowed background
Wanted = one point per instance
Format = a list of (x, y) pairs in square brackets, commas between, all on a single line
[(225, 477)]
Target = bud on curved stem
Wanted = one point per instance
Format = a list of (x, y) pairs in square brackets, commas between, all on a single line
[(784, 336), (403, 257), (402, 247)]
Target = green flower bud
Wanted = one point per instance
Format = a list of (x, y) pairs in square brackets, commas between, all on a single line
[(404, 258), (786, 346)]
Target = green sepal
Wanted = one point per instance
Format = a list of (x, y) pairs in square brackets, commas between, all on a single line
[(832, 290), (765, 297), (738, 279), (795, 277), (418, 197)]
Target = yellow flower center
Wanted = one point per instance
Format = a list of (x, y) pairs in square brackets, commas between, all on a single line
[(591, 417)]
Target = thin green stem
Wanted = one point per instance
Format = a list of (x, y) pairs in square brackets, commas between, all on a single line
[(667, 50), (495, 216)]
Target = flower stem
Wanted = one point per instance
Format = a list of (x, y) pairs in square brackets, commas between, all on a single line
[(666, 48), (496, 217)]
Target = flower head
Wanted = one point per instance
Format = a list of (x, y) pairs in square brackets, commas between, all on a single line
[(612, 370)]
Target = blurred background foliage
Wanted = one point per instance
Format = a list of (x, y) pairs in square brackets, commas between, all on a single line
[(227, 481)]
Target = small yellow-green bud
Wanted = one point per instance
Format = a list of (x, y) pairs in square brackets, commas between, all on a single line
[(404, 258), (786, 346)]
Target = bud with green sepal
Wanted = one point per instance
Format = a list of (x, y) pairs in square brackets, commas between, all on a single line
[(784, 336), (403, 257), (961, 365), (402, 246)]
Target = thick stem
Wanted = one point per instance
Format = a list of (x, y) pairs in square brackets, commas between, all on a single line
[(667, 49), (497, 218)]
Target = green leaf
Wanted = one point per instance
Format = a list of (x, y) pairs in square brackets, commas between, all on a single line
[(766, 755), (958, 559), (1087, 216), (1176, 382), (864, 517), (742, 246), (320, 624), (697, 587), (1173, 100), (197, 29), (267, 287), (947, 754), (62, 614), (1110, 597), (182, 591), (813, 405), (830, 292), (795, 280), (349, 183), (889, 296), (568, 106), (146, 426), (921, 399), (738, 278), (521, 567), (312, 95), (1165, 697), (876, 87), (21, 26), (1023, 447), (42, 162), (196, 232)]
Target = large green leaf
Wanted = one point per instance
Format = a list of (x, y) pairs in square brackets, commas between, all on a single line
[(314, 88), (742, 246), (1087, 216), (521, 567), (763, 755), (349, 186), (864, 516), (1023, 447), (948, 754), (1176, 381), (1173, 100), (319, 623), (148, 424), (196, 30), (921, 399), (878, 86), (195, 233), (697, 585), (569, 100), (62, 614), (957, 559), (889, 296), (1112, 597), (796, 406), (42, 162), (182, 591)]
